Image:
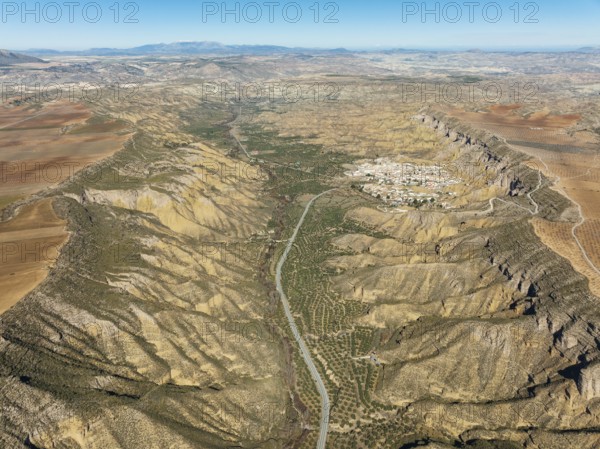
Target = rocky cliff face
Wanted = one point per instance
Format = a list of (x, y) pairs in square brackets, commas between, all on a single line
[(489, 158), (588, 381)]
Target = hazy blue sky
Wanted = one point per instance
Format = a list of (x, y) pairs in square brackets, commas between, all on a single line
[(350, 24)]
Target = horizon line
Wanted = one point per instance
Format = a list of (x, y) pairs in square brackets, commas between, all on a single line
[(371, 48)]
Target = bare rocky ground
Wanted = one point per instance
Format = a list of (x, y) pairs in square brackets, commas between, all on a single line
[(158, 328)]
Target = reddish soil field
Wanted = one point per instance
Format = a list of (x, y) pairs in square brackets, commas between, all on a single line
[(42, 146), (29, 244)]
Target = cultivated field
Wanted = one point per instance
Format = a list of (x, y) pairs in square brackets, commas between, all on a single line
[(45, 144), (29, 245)]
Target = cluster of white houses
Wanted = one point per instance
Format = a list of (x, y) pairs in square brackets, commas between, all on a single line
[(404, 183)]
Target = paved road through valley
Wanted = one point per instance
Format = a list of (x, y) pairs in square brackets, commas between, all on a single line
[(303, 349)]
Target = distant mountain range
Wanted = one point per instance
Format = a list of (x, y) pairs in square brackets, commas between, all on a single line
[(187, 48), (216, 48), (9, 58), (595, 50)]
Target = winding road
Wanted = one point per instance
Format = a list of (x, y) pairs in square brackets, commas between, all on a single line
[(303, 349), (582, 219)]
